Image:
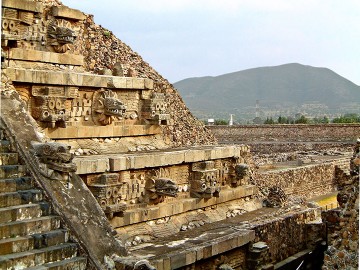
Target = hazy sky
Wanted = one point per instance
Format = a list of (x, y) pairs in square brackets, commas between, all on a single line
[(193, 38)]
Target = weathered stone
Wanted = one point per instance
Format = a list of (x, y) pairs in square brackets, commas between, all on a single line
[(66, 12), (23, 5)]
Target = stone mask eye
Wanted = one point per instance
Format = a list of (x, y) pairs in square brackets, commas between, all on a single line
[(203, 186), (214, 183), (61, 149)]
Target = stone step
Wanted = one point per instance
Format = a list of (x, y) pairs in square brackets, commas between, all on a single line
[(24, 211), (35, 241), (22, 260), (15, 184), (12, 171), (29, 227), (20, 197), (9, 158), (5, 146), (76, 263)]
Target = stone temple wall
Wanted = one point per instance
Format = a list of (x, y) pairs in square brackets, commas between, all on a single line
[(95, 50), (343, 223), (306, 181), (287, 133)]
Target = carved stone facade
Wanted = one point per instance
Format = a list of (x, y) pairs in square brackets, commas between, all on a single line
[(117, 133), (154, 181), (23, 27), (55, 159)]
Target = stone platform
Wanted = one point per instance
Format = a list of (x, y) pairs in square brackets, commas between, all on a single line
[(223, 237)]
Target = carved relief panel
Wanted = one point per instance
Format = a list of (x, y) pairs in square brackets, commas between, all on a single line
[(30, 29), (61, 106), (155, 109), (159, 185), (232, 173), (107, 107), (204, 182), (50, 104)]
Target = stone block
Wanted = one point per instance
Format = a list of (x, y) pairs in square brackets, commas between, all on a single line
[(216, 153), (188, 204), (140, 162), (94, 80), (117, 82), (130, 162), (207, 252), (66, 12), (167, 263), (135, 217), (117, 164), (190, 256), (156, 159), (226, 245), (199, 253), (192, 156), (129, 83), (175, 157), (23, 5), (178, 208), (91, 165), (47, 57), (246, 237), (215, 248), (138, 83), (178, 260), (148, 84), (145, 161), (159, 264), (166, 210), (153, 213)]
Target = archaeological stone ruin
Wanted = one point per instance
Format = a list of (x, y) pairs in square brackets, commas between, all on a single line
[(104, 167)]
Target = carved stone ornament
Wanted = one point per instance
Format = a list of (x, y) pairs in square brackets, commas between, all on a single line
[(60, 37), (55, 159), (155, 109), (108, 192), (161, 186), (204, 182), (143, 265), (50, 110), (109, 107), (241, 171)]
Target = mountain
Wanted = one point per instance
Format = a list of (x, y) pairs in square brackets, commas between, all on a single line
[(280, 90)]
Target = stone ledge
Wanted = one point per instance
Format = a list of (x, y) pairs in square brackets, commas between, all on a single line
[(66, 12), (180, 252), (77, 79), (47, 57), (95, 165), (165, 158), (180, 206), (72, 132), (23, 5)]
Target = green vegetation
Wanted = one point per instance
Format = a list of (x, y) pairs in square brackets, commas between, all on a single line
[(107, 33), (347, 118), (323, 120), (219, 122), (302, 120)]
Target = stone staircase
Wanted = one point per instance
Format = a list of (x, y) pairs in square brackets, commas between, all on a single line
[(31, 237)]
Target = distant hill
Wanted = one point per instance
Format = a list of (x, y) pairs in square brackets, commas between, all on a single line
[(281, 90)]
